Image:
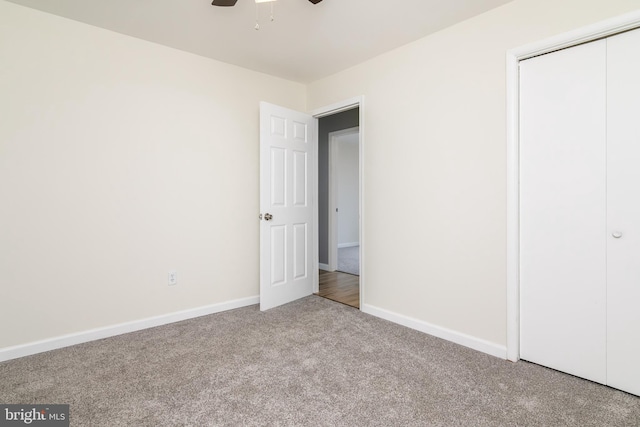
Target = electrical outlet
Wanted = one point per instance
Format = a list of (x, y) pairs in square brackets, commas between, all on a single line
[(173, 277)]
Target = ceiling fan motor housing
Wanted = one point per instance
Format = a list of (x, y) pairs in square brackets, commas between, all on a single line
[(224, 2)]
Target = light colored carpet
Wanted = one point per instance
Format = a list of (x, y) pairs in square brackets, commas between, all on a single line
[(313, 362), (349, 260)]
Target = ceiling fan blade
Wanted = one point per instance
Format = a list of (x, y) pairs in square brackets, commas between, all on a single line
[(315, 1), (224, 2)]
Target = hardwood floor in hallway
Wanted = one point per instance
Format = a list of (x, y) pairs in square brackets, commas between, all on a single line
[(340, 287)]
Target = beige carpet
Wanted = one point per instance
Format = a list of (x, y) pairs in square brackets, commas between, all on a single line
[(312, 362)]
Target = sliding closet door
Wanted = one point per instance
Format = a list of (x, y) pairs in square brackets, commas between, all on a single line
[(563, 210), (623, 219)]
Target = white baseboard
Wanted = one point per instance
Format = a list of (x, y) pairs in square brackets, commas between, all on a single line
[(28, 349), (438, 331), (348, 245), (324, 267)]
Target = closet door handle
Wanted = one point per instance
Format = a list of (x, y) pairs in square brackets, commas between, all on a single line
[(616, 234)]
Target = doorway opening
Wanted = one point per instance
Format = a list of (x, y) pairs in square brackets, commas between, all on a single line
[(339, 205)]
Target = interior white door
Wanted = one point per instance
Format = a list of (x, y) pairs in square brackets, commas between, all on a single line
[(286, 204), (563, 210), (623, 218)]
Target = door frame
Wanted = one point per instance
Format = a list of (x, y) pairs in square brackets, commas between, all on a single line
[(586, 34), (333, 194), (338, 107)]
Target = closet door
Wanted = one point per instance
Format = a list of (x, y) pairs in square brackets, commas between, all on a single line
[(563, 210), (623, 219)]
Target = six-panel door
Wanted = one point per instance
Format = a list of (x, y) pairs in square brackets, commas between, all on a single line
[(286, 149)]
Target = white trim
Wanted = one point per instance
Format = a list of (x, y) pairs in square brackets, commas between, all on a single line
[(338, 107), (345, 105), (348, 245), (586, 34), (361, 234), (315, 257), (513, 210), (593, 32), (438, 331), (324, 267), (28, 349)]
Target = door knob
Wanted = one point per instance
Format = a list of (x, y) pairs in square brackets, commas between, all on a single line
[(616, 234), (268, 217)]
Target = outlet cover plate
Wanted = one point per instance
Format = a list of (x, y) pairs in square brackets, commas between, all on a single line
[(173, 278)]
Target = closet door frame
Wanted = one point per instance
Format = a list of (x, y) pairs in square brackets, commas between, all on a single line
[(597, 31)]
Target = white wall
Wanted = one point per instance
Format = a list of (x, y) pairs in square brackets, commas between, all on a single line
[(120, 160), (347, 188), (435, 163)]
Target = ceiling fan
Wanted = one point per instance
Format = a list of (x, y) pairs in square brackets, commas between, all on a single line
[(233, 2)]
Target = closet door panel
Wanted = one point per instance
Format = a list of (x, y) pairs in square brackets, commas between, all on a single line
[(563, 210), (623, 218)]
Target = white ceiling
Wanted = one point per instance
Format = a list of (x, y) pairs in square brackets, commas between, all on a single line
[(305, 42)]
